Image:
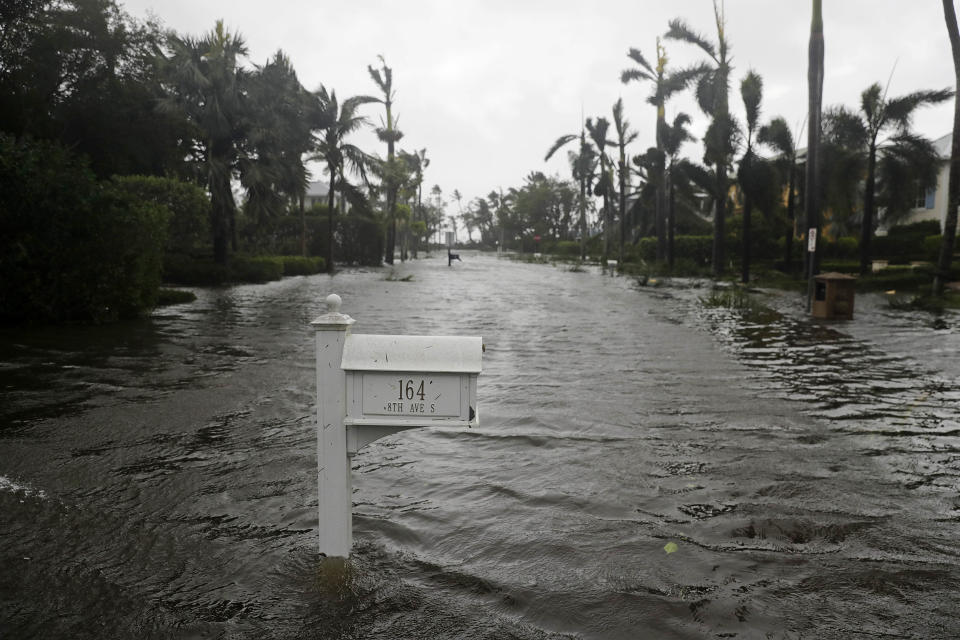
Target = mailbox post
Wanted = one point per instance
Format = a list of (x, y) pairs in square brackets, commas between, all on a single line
[(370, 386)]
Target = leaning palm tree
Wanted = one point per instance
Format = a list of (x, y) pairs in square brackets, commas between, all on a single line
[(338, 122), (713, 88), (582, 163), (953, 190), (207, 86), (388, 133), (665, 86), (879, 115)]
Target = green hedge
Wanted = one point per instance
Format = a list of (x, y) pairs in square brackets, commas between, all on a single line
[(300, 266), (72, 249), (187, 270)]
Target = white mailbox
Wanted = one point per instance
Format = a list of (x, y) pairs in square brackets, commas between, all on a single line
[(370, 386)]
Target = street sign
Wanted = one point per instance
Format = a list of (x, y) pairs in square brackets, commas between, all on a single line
[(812, 240)]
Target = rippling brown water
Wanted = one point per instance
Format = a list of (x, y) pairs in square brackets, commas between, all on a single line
[(157, 479)]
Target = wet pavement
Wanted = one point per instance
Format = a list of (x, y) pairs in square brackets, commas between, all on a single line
[(645, 466)]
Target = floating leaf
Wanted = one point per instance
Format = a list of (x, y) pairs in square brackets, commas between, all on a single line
[(670, 547)]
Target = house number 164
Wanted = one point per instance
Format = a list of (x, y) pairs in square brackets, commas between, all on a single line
[(409, 389)]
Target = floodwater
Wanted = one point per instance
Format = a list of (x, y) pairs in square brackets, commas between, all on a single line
[(645, 467)]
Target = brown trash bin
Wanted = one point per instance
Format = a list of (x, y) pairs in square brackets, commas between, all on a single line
[(833, 296)]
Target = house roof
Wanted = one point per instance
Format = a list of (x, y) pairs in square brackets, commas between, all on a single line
[(942, 145), (317, 189)]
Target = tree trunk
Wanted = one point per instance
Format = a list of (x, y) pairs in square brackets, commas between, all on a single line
[(718, 220), (658, 196), (671, 224), (745, 258), (792, 229), (814, 106), (866, 225), (623, 201), (303, 228), (953, 185), (331, 212), (583, 218)]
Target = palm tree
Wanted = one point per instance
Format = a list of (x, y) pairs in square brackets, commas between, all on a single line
[(713, 87), (419, 162), (388, 133), (665, 85), (582, 163), (338, 122), (751, 90), (279, 137), (208, 86), (776, 135), (953, 194), (877, 115), (624, 137), (673, 137), (598, 135)]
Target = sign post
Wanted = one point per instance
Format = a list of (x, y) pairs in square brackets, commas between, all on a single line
[(371, 386)]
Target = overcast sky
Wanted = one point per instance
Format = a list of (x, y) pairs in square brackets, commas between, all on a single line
[(486, 86)]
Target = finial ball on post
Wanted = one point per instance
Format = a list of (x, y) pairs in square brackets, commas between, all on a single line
[(333, 303)]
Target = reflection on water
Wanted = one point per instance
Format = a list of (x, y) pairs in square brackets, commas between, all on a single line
[(157, 478)]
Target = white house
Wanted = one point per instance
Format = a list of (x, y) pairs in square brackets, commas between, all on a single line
[(932, 204), (318, 192)]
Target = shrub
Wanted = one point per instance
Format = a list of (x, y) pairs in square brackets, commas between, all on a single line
[(187, 203), (183, 269), (72, 249), (565, 248), (300, 266), (255, 269), (169, 297)]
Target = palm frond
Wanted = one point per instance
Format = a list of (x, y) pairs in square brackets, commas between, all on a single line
[(680, 80), (680, 30), (562, 140), (751, 90), (900, 110), (635, 55), (777, 135)]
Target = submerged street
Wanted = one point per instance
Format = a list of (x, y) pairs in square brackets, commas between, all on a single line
[(645, 466)]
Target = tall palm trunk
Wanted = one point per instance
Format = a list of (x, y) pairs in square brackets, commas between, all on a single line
[(331, 212), (745, 260), (583, 217), (788, 241), (719, 217), (623, 200), (723, 184), (814, 106), (221, 201), (953, 188), (671, 222), (866, 228), (303, 226), (658, 196), (391, 194)]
